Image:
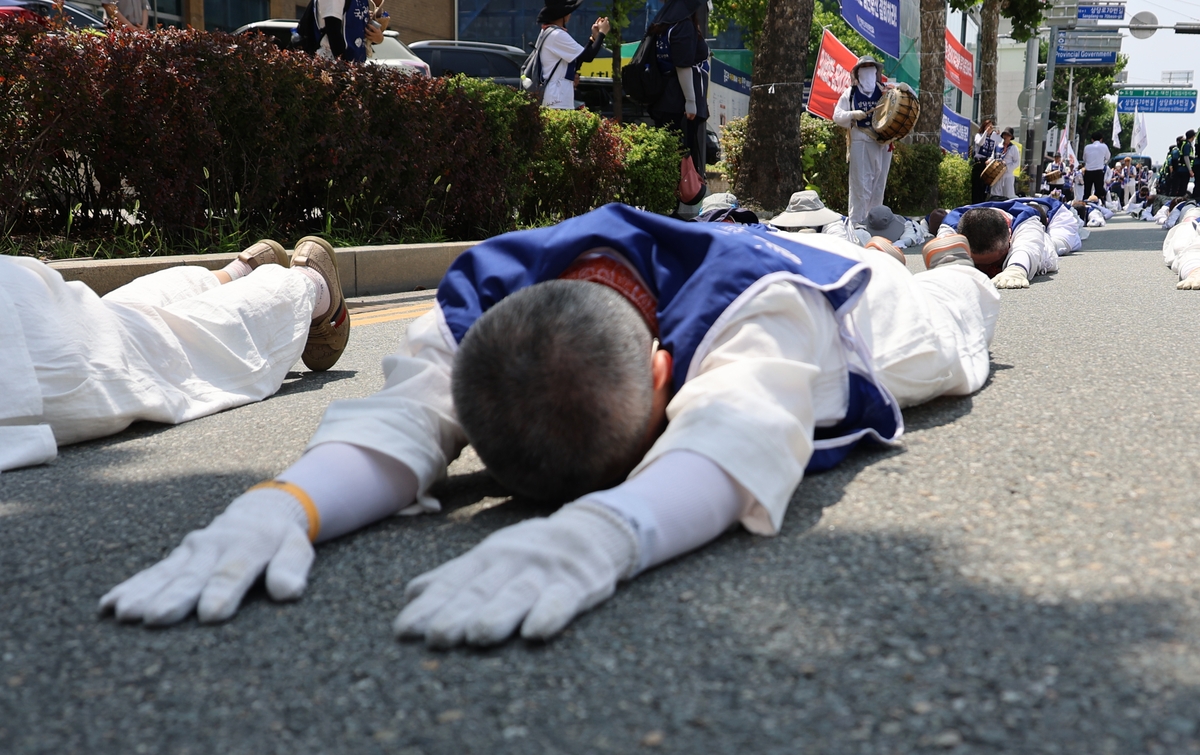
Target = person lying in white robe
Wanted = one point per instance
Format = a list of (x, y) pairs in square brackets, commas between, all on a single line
[(169, 347), (1181, 249), (667, 380)]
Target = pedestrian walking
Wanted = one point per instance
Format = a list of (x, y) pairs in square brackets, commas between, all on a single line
[(870, 159)]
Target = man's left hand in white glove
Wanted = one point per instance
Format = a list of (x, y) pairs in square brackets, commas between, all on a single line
[(537, 575), (1012, 276)]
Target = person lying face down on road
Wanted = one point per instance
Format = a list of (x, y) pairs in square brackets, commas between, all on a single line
[(171, 346), (1181, 248), (665, 380), (1014, 240)]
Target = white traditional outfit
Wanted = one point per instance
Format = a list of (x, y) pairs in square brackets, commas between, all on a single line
[(788, 350), (1006, 185), (168, 347), (1181, 247), (870, 159), (1036, 245)]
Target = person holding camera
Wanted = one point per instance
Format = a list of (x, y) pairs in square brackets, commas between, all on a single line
[(560, 55)]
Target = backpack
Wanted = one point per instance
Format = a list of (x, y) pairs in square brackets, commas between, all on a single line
[(641, 78), (307, 34), (532, 80)]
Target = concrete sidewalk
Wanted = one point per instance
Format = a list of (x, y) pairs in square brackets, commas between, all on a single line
[(365, 270)]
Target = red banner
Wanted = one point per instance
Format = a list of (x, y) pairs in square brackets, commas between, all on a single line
[(831, 77), (960, 66)]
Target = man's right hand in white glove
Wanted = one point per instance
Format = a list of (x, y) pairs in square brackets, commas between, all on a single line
[(1012, 276), (1190, 282), (214, 567), (858, 115)]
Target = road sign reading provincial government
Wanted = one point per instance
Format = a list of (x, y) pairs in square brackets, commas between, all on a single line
[(1156, 100), (1087, 48)]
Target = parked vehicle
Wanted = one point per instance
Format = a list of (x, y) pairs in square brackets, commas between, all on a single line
[(482, 60), (75, 16), (390, 52)]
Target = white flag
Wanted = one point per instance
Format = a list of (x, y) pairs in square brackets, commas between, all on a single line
[(1065, 149), (1140, 139), (1116, 129)]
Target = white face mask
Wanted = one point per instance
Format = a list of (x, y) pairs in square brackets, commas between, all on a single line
[(866, 79)]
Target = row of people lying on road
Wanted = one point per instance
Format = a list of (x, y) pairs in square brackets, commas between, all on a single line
[(650, 395)]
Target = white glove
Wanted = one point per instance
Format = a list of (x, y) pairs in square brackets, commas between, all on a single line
[(1191, 282), (538, 574), (1012, 276), (215, 566), (858, 115)]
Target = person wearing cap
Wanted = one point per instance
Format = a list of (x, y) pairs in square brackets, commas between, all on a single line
[(1188, 153), (870, 159), (900, 231), (1005, 186), (1014, 240), (170, 347), (723, 208), (664, 380), (1059, 184), (806, 213), (561, 55), (982, 150)]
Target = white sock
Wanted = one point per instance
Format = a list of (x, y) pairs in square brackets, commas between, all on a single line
[(236, 269), (321, 308)]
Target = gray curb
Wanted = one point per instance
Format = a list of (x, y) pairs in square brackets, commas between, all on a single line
[(365, 270)]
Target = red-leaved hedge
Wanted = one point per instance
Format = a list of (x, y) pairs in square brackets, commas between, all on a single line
[(186, 126)]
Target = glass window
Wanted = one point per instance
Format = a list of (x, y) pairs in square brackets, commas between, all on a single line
[(463, 61)]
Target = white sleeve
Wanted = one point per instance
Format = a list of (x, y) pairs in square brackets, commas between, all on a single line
[(912, 235), (1181, 247), (560, 44), (772, 370), (1064, 230), (842, 110), (412, 419), (676, 504), (1032, 249), (1012, 158)]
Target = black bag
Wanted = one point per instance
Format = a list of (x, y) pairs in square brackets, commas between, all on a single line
[(306, 30), (642, 79)]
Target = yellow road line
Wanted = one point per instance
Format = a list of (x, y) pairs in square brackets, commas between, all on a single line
[(390, 315)]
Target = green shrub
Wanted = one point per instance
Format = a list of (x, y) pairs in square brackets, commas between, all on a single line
[(651, 167), (733, 141), (207, 139), (824, 160), (954, 181), (913, 179), (577, 165)]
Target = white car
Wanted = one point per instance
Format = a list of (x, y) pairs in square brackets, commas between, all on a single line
[(390, 52)]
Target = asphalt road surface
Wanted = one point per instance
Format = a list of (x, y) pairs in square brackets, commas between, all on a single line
[(1020, 577)]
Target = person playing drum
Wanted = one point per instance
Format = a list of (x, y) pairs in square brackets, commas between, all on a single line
[(1056, 175), (984, 150), (870, 159), (1010, 154)]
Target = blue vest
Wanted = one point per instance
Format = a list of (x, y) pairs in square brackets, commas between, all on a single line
[(860, 101), (1050, 203), (1015, 207), (696, 271), (354, 26), (985, 149)]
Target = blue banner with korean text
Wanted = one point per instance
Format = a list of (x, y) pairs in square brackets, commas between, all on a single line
[(956, 132), (877, 20)]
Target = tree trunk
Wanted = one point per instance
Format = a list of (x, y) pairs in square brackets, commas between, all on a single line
[(988, 51), (772, 160), (933, 72)]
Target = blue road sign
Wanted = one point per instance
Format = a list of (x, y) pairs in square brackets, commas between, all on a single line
[(1102, 12), (1064, 57), (1157, 101)]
